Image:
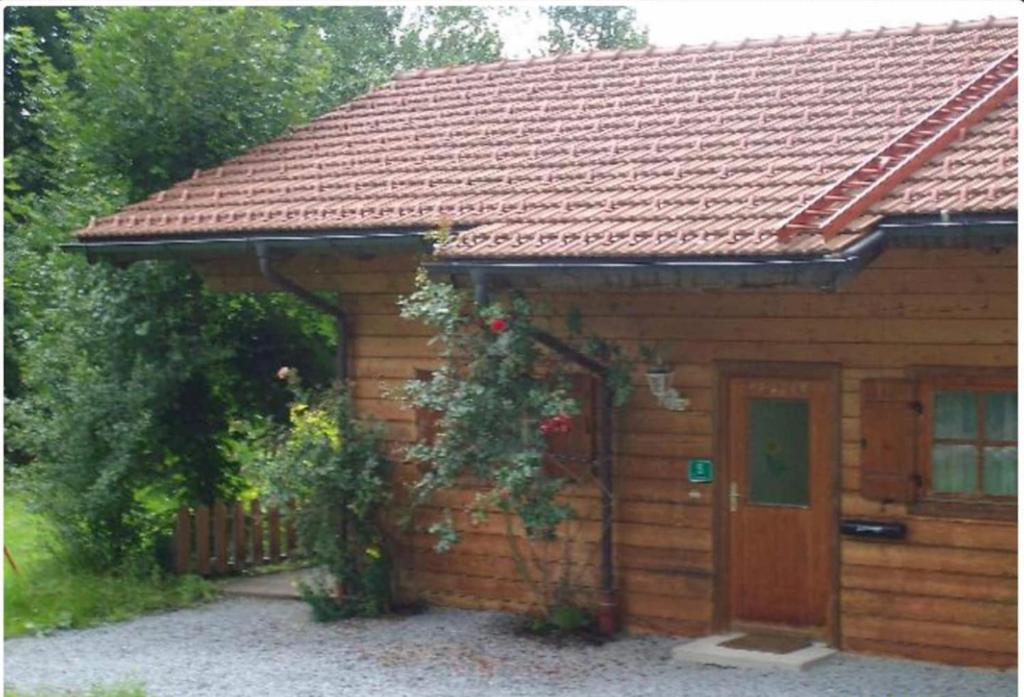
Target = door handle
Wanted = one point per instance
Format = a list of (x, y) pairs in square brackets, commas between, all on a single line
[(734, 496)]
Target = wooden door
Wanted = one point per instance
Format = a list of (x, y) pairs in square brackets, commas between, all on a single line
[(780, 494)]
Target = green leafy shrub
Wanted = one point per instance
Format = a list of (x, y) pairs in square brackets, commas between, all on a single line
[(569, 618), (322, 601), (333, 465), (564, 621), (328, 605)]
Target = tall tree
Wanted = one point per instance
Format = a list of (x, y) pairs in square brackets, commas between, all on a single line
[(129, 378), (48, 30), (128, 383), (449, 35), (590, 27), (168, 90)]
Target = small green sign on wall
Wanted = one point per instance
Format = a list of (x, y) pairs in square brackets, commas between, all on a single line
[(701, 471)]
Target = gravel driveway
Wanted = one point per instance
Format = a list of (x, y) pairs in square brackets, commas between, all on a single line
[(248, 648)]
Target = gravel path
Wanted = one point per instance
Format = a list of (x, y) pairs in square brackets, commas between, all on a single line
[(249, 648)]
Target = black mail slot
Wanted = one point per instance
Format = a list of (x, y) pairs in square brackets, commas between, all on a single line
[(873, 528)]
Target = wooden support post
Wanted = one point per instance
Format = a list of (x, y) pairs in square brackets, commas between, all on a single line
[(274, 520), (607, 608), (290, 540), (183, 541), (257, 532), (238, 533), (220, 537), (203, 540)]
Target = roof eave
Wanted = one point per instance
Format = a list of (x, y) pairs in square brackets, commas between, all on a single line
[(827, 271), (974, 230), (824, 271), (190, 247)]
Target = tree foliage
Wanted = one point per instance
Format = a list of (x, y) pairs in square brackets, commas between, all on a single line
[(121, 382), (46, 29), (592, 27), (168, 90), (449, 35)]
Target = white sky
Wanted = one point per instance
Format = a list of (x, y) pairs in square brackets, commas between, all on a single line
[(672, 23)]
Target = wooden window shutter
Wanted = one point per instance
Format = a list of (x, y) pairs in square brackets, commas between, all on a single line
[(579, 443), (889, 417), (426, 419)]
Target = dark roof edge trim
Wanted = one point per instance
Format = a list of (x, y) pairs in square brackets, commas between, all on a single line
[(825, 272), (977, 230), (966, 230), (828, 271), (134, 250)]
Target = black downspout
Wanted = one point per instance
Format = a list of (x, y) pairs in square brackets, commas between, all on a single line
[(607, 612), (606, 616), (310, 298), (481, 290), (607, 607)]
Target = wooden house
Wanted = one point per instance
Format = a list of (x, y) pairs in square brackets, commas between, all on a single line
[(820, 236)]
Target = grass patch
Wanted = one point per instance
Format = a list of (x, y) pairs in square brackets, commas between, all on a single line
[(97, 691), (47, 594)]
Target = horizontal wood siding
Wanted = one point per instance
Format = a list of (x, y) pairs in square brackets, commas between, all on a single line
[(946, 593)]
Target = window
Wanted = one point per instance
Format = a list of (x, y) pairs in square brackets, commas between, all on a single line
[(778, 452), (942, 440), (971, 445)]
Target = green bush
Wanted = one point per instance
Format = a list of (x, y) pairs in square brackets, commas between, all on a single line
[(563, 621), (569, 618), (327, 606), (321, 600), (333, 465)]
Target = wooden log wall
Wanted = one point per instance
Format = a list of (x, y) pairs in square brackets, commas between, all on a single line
[(946, 593)]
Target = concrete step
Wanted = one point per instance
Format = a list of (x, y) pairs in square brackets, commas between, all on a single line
[(710, 651)]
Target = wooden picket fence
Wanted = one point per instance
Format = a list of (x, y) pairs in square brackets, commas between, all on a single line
[(226, 538)]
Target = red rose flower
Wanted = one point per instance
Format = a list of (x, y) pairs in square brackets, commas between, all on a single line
[(561, 423), (498, 325)]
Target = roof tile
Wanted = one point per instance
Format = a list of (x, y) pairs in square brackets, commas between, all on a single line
[(695, 150)]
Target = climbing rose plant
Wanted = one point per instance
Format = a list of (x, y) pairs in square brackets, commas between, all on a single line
[(497, 393)]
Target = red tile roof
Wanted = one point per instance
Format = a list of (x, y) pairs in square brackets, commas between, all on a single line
[(696, 150)]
